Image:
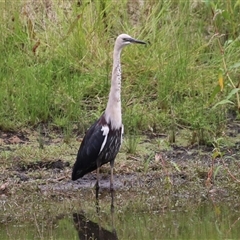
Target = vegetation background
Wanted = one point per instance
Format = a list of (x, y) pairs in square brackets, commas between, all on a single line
[(182, 88), (56, 59)]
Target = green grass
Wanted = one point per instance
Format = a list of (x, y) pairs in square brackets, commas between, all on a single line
[(64, 81)]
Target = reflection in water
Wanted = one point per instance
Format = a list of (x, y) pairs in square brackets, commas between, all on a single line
[(199, 221), (88, 229)]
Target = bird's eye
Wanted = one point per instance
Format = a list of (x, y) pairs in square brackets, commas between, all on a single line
[(127, 39)]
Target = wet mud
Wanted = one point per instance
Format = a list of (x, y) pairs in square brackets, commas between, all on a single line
[(178, 164)]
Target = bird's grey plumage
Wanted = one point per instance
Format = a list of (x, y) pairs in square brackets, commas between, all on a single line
[(103, 139)]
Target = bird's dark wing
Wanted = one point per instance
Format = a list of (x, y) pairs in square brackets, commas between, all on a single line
[(92, 144)]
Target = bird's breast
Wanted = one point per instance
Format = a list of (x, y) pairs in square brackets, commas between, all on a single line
[(113, 115)]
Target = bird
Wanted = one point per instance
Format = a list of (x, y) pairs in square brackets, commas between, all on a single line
[(103, 139)]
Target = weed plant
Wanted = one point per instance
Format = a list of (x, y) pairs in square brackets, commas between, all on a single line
[(56, 58)]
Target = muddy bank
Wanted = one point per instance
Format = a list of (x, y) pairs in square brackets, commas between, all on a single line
[(31, 158), (36, 188)]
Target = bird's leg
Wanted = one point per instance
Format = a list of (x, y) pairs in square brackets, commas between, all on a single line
[(97, 191), (97, 184), (111, 179), (111, 186), (112, 201)]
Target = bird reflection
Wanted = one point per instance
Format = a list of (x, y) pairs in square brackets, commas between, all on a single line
[(88, 229)]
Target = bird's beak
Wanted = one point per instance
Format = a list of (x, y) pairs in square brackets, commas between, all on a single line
[(132, 40)]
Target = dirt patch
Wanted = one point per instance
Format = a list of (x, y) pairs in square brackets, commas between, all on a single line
[(24, 167), (7, 138)]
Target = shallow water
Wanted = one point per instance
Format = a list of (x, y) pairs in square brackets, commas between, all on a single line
[(205, 220)]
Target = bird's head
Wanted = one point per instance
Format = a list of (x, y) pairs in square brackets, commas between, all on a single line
[(124, 39)]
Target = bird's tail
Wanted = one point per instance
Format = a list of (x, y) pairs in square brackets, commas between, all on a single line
[(77, 173)]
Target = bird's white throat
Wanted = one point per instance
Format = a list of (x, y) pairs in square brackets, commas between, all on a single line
[(113, 111)]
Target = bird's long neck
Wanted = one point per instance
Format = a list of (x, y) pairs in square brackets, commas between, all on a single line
[(113, 111)]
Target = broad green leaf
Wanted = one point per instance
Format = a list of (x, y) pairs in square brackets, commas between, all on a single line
[(225, 101), (209, 3), (237, 3), (235, 65), (216, 154), (225, 14), (227, 43), (234, 91), (216, 90)]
